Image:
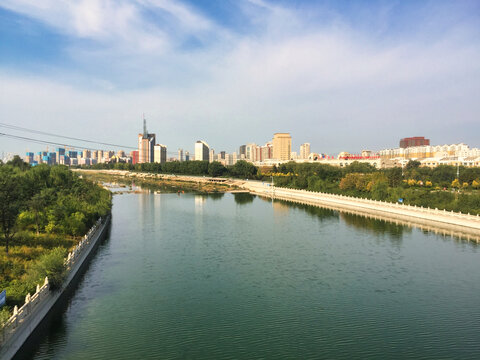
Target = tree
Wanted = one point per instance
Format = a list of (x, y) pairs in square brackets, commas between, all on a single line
[(358, 167), (244, 169), (216, 169), (476, 184), (10, 202), (456, 183), (394, 176), (413, 164), (37, 205), (18, 163), (349, 182)]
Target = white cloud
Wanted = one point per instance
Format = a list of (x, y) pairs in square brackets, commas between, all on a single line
[(330, 85)]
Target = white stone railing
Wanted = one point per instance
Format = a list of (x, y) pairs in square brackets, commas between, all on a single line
[(78, 249), (414, 210), (20, 315)]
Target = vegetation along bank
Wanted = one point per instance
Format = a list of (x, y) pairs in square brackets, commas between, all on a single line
[(436, 187), (44, 212)]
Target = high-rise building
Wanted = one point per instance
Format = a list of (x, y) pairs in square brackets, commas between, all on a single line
[(134, 156), (228, 160), (180, 155), (211, 155), (59, 152), (282, 146), (266, 152), (87, 154), (304, 151), (146, 143), (242, 150), (234, 158), (414, 141), (202, 151), (222, 154), (160, 154), (251, 152), (29, 157), (187, 156)]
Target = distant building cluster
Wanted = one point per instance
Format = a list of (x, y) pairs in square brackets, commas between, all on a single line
[(428, 155), (63, 156), (273, 152)]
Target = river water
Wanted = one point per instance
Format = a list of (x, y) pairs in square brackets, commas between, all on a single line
[(237, 277)]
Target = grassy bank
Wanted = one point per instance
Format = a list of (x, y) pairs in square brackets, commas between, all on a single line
[(44, 211)]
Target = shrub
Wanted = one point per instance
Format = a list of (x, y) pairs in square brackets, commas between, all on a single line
[(50, 264), (476, 184), (455, 184), (4, 316)]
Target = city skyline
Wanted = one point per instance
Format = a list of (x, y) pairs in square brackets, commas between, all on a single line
[(340, 76)]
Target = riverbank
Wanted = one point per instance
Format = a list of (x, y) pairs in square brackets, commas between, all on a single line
[(433, 218), (24, 322), (163, 182)]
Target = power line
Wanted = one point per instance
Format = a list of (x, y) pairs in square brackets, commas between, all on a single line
[(45, 142), (14, 127)]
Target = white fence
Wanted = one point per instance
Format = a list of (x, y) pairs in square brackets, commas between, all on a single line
[(394, 208), (32, 302)]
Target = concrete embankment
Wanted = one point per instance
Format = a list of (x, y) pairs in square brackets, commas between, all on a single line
[(24, 323), (434, 218)]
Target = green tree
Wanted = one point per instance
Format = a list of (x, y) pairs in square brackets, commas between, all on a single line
[(243, 169), (10, 202), (51, 264), (216, 169), (413, 164), (37, 205), (358, 167), (394, 176), (18, 163)]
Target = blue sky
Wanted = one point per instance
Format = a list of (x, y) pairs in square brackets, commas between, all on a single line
[(342, 75)]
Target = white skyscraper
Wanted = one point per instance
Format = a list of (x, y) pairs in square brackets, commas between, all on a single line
[(304, 151), (202, 152)]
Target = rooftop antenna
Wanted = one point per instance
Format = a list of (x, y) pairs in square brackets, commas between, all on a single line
[(145, 134)]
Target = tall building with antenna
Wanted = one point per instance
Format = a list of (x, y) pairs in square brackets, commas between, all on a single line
[(146, 145)]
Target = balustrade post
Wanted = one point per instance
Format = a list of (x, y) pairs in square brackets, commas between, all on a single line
[(27, 303)]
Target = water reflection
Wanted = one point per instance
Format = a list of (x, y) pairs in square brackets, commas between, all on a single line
[(199, 203), (375, 226), (216, 195), (315, 211), (243, 198)]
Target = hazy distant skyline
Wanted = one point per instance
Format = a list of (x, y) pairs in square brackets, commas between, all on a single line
[(341, 75)]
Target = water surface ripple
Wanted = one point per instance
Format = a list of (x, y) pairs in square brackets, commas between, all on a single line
[(238, 277)]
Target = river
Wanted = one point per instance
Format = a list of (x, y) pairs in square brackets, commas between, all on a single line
[(234, 276)]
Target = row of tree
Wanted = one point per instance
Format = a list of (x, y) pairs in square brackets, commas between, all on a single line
[(241, 169), (433, 187), (47, 199)]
